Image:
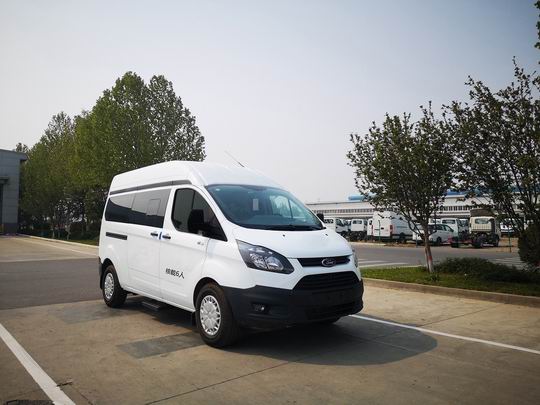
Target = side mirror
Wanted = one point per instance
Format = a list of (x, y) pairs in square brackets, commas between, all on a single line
[(320, 215), (196, 222)]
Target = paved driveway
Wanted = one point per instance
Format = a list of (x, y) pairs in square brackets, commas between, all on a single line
[(404, 347)]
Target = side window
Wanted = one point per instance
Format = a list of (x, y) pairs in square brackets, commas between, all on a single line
[(149, 208), (118, 208), (191, 212), (183, 200)]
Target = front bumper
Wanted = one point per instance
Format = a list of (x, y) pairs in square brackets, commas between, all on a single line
[(284, 307)]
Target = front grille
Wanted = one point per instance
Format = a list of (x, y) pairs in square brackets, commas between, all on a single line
[(317, 261), (327, 281), (331, 311)]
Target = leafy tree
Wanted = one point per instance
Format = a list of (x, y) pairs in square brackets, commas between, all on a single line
[(45, 175), (133, 125), (497, 137), (405, 165), (537, 45), (21, 147)]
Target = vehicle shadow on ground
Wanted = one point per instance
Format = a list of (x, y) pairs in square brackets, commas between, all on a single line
[(349, 342)]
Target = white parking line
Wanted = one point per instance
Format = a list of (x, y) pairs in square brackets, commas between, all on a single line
[(369, 261), (450, 335), (52, 244), (40, 377)]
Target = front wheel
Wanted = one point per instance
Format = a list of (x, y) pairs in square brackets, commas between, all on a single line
[(215, 320), (113, 294)]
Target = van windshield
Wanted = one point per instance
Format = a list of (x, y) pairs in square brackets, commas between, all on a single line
[(263, 208)]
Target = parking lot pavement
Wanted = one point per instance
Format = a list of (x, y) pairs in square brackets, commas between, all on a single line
[(467, 351), (36, 272), (133, 355)]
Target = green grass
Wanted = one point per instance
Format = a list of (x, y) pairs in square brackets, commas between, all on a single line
[(420, 275)]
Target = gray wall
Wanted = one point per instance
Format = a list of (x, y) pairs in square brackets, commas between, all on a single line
[(10, 168)]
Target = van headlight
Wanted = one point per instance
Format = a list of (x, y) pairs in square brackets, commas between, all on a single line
[(261, 258)]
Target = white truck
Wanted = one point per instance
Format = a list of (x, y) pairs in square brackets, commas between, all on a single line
[(389, 225), (336, 224), (358, 229), (483, 229)]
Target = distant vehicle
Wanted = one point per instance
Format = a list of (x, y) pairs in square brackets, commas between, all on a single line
[(482, 230), (369, 229), (358, 229), (438, 234), (389, 225), (337, 225), (459, 226), (507, 228)]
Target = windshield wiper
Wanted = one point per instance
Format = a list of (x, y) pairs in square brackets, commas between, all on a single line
[(291, 227)]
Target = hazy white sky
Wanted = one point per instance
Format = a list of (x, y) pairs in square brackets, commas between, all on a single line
[(279, 84)]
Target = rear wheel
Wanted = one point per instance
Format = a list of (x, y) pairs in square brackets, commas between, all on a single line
[(215, 320), (113, 294), (439, 241)]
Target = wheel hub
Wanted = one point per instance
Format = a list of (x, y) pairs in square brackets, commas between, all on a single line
[(210, 315), (108, 286)]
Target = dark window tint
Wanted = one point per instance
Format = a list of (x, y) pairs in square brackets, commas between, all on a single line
[(188, 204), (118, 208), (149, 208), (183, 201)]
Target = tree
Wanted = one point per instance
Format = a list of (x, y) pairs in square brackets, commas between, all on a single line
[(497, 136), (21, 147), (405, 165), (133, 125), (45, 175)]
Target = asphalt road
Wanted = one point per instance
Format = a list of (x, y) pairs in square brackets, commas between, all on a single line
[(464, 351), (33, 272)]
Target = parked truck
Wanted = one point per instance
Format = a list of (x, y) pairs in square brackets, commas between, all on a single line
[(389, 225), (358, 229), (483, 229)]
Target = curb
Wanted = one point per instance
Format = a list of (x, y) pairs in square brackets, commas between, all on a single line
[(57, 241), (513, 299)]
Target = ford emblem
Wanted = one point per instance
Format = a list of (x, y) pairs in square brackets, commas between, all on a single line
[(328, 262)]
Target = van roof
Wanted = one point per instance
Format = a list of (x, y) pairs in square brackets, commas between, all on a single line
[(187, 172)]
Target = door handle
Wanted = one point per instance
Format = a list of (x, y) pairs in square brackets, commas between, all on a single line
[(154, 233), (166, 236)]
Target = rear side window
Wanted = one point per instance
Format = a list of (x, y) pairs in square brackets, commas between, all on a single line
[(119, 208), (144, 208), (149, 208)]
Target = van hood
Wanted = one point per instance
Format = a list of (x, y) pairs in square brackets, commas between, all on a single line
[(296, 244)]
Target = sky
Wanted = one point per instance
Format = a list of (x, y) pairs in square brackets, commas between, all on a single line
[(280, 85)]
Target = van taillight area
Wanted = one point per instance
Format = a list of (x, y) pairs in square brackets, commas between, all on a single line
[(314, 298)]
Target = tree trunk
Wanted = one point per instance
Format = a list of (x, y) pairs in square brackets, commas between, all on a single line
[(427, 249)]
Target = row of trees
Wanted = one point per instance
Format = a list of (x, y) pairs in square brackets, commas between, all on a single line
[(488, 146), (68, 172)]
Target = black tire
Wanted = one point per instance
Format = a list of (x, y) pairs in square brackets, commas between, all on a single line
[(329, 321), (402, 238), (228, 330), (118, 296), (496, 241), (439, 241)]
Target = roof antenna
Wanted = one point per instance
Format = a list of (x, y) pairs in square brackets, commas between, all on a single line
[(233, 158)]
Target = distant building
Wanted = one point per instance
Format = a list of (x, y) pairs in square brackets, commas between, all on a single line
[(10, 170), (455, 205)]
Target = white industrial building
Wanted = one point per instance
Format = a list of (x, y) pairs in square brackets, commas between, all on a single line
[(455, 205)]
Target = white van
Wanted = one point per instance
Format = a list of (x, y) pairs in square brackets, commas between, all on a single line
[(338, 225), (358, 228), (459, 226), (388, 225), (227, 244)]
